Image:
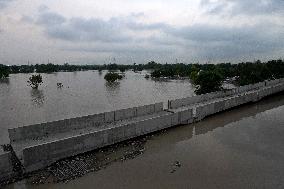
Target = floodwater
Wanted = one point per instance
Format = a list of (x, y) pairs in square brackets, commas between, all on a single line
[(239, 148), (83, 93)]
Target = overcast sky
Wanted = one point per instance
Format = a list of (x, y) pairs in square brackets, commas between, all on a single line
[(128, 31)]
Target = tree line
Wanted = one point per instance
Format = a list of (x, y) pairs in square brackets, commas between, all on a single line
[(208, 77)]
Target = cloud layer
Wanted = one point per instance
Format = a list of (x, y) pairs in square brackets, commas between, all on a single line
[(4, 3), (247, 7), (230, 30)]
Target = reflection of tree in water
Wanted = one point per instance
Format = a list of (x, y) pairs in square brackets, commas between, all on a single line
[(112, 88), (5, 81), (37, 97), (112, 92)]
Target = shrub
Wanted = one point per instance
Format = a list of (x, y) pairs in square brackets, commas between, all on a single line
[(111, 77), (35, 80)]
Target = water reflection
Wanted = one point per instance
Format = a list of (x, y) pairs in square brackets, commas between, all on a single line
[(112, 88), (37, 97), (5, 81)]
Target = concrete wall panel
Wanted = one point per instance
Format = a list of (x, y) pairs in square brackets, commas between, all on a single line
[(159, 107), (174, 120), (173, 104), (6, 167), (125, 114), (145, 110), (185, 116), (130, 131), (109, 117), (272, 82)]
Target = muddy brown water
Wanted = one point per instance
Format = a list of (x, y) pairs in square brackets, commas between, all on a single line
[(239, 148), (83, 93)]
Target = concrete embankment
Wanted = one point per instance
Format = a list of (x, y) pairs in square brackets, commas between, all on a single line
[(37, 146), (6, 166)]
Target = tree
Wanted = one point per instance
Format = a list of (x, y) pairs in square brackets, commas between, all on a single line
[(111, 77), (208, 81), (4, 71), (35, 80), (122, 69)]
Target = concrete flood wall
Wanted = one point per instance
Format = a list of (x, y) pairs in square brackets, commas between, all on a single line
[(177, 103), (206, 109), (41, 155), (222, 104), (38, 131), (173, 104), (6, 166)]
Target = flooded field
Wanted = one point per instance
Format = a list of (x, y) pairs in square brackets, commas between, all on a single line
[(239, 148), (83, 93)]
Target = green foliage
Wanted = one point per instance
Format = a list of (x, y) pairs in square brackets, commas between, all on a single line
[(249, 73), (46, 68), (4, 71), (22, 69), (246, 73), (171, 70), (208, 81), (35, 80), (112, 76), (193, 76), (193, 73), (122, 69)]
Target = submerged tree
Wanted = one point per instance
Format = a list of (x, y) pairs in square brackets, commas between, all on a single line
[(208, 81), (35, 80), (112, 76)]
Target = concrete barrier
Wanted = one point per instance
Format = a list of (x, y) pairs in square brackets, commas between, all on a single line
[(222, 104), (42, 130), (125, 114), (173, 104), (185, 116), (38, 131), (126, 124), (177, 103), (39, 156), (6, 166), (272, 82)]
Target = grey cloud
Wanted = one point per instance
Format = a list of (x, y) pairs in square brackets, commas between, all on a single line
[(247, 7), (4, 3), (141, 26), (125, 49), (219, 41), (112, 36), (92, 29), (50, 18), (210, 33), (80, 29)]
